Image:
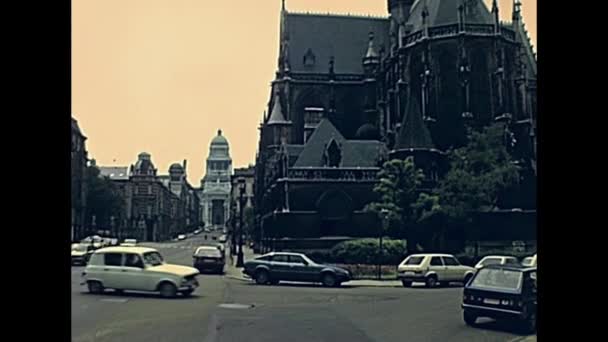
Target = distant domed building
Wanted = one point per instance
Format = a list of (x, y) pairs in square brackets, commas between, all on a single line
[(215, 185)]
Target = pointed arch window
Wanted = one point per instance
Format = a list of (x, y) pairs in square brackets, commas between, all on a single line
[(309, 58), (333, 154)]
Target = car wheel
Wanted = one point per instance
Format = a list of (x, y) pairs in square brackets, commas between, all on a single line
[(469, 317), (261, 277), (467, 278), (431, 281), (406, 283), (329, 280), (95, 287), (167, 290), (187, 293)]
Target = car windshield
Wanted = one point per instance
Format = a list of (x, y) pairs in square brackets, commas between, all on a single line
[(153, 258), (498, 278), (413, 260)]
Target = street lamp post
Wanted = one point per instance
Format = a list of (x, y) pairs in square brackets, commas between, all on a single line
[(239, 258), (384, 213)]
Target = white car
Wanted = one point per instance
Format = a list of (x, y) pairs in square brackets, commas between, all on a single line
[(497, 260), (529, 261), (80, 254), (222, 238), (432, 269), (137, 269), (181, 237), (129, 243)]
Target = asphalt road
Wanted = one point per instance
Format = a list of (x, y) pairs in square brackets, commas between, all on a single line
[(224, 309)]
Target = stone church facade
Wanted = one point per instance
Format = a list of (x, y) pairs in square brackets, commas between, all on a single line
[(351, 92)]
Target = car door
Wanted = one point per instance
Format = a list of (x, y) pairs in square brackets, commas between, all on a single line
[(300, 270), (436, 265), (134, 275), (112, 275), (454, 271), (280, 269)]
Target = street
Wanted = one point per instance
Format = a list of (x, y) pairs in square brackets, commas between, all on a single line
[(227, 309)]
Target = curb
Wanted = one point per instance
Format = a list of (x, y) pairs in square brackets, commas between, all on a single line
[(346, 284)]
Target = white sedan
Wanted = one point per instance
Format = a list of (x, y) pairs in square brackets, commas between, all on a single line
[(181, 237)]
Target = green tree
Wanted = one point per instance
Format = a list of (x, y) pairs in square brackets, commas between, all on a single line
[(104, 199), (479, 173), (398, 188)]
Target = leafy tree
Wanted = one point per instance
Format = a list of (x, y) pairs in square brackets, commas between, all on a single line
[(103, 199), (398, 189), (479, 173)]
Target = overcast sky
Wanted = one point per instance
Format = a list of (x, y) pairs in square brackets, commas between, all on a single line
[(162, 76)]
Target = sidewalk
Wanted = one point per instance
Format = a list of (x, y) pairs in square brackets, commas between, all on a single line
[(237, 273)]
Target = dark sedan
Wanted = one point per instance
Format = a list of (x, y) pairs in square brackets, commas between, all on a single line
[(274, 267), (209, 258), (502, 292)]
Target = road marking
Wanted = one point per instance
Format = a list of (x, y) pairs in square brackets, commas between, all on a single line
[(114, 300), (236, 306)]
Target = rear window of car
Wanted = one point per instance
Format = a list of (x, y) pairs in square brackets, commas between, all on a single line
[(414, 260), (208, 252), (112, 259), (498, 278)]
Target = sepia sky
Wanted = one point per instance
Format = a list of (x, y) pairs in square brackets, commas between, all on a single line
[(162, 76)]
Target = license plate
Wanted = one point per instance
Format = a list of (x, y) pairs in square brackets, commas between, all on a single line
[(491, 301)]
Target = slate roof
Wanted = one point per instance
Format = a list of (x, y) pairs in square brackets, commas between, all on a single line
[(444, 12), (344, 37), (362, 153), (115, 172), (276, 116), (413, 132)]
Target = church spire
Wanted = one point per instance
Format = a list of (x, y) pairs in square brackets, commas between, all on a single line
[(495, 12), (516, 11)]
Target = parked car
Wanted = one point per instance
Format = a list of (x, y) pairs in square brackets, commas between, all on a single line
[(497, 260), (222, 238), (432, 269), (209, 258), (137, 269), (529, 261), (129, 243), (274, 267), (95, 241), (181, 237), (196, 232), (502, 292), (81, 254)]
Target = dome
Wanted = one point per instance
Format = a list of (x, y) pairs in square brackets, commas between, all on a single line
[(219, 139), (144, 164), (176, 168), (367, 132)]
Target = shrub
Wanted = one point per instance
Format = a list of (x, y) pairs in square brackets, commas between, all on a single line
[(366, 251)]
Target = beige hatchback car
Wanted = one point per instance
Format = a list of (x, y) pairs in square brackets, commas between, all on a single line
[(137, 269), (432, 269)]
